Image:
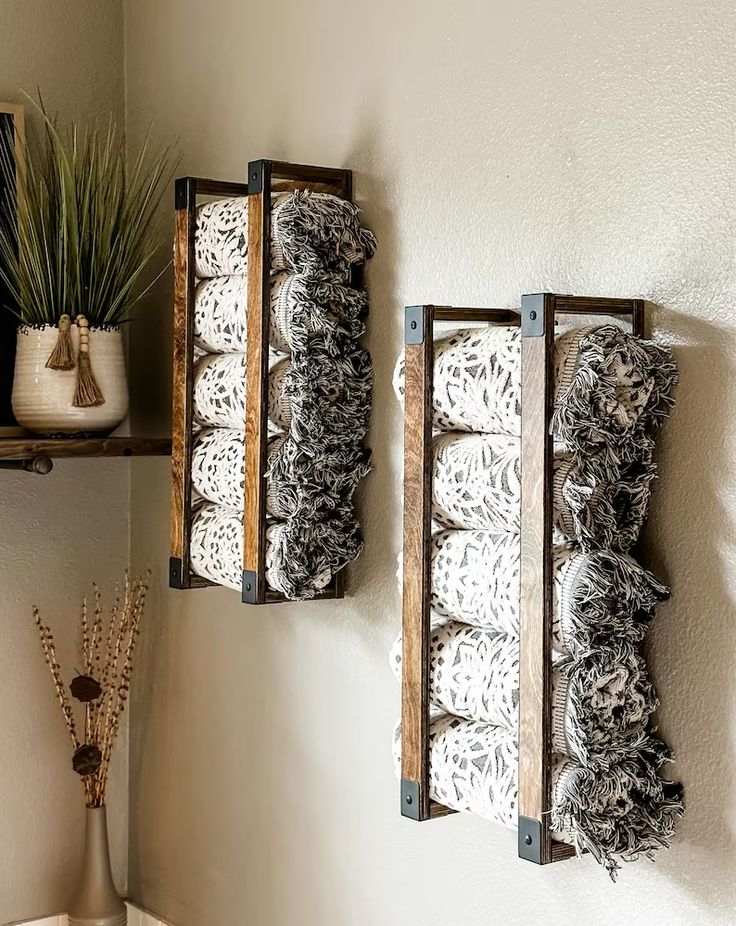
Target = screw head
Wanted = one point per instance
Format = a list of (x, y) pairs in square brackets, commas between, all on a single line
[(528, 839), (409, 799), (532, 315), (413, 326), (247, 586)]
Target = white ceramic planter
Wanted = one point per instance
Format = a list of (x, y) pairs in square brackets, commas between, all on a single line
[(42, 398)]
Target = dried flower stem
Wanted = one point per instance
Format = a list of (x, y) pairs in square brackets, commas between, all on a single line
[(107, 650)]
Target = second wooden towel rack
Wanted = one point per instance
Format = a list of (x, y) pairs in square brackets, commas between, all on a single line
[(537, 319)]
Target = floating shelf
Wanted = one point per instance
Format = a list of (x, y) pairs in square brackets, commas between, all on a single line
[(24, 451)]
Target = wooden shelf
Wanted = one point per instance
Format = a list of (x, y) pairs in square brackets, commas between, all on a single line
[(29, 447)]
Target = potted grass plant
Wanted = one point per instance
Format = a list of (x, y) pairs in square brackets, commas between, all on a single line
[(77, 235)]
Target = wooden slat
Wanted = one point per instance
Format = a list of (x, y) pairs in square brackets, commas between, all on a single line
[(418, 405), (339, 177), (183, 382), (448, 313), (589, 305), (26, 448), (288, 186), (256, 413), (536, 586), (220, 188)]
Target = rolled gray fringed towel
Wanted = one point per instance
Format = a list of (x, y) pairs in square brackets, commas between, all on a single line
[(330, 397), (297, 481), (612, 390), (617, 815), (303, 554), (601, 701), (596, 596), (621, 814), (599, 506), (476, 485), (311, 233), (300, 307)]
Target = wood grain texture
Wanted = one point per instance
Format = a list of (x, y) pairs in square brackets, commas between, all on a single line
[(446, 313), (26, 448), (219, 188), (583, 305), (256, 374), (183, 382), (536, 589), (416, 592)]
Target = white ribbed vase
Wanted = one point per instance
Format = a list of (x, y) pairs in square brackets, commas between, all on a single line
[(95, 901), (42, 398)]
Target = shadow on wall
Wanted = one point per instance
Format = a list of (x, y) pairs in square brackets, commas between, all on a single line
[(692, 643)]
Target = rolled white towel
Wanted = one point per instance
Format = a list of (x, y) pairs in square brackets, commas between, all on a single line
[(612, 389), (300, 308), (220, 393), (310, 233), (618, 815), (475, 580), (600, 702)]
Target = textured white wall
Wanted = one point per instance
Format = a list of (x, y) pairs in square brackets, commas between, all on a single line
[(498, 148), (57, 532)]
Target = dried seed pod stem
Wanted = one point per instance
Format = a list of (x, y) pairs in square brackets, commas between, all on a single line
[(107, 649)]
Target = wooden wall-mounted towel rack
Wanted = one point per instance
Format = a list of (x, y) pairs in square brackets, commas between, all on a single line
[(537, 319), (265, 177)]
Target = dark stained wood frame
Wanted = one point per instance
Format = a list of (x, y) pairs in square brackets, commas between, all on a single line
[(265, 177), (537, 320), (538, 315), (416, 593)]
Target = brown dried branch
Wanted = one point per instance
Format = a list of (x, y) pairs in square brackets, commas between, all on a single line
[(108, 650)]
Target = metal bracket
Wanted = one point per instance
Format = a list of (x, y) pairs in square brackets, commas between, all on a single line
[(184, 192), (251, 592), (256, 175), (530, 840), (411, 799), (533, 322), (176, 573), (414, 324)]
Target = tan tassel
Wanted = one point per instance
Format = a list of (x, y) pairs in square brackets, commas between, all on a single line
[(87, 393), (62, 356)]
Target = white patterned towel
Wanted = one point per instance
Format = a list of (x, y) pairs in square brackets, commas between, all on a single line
[(611, 388), (628, 812), (599, 595), (301, 557), (323, 477), (219, 392), (477, 486), (311, 233), (300, 308), (600, 701)]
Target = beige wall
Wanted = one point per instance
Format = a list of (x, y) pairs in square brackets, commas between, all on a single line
[(498, 148), (59, 532)]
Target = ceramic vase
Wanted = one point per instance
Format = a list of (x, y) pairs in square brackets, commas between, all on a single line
[(42, 397), (95, 901)]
